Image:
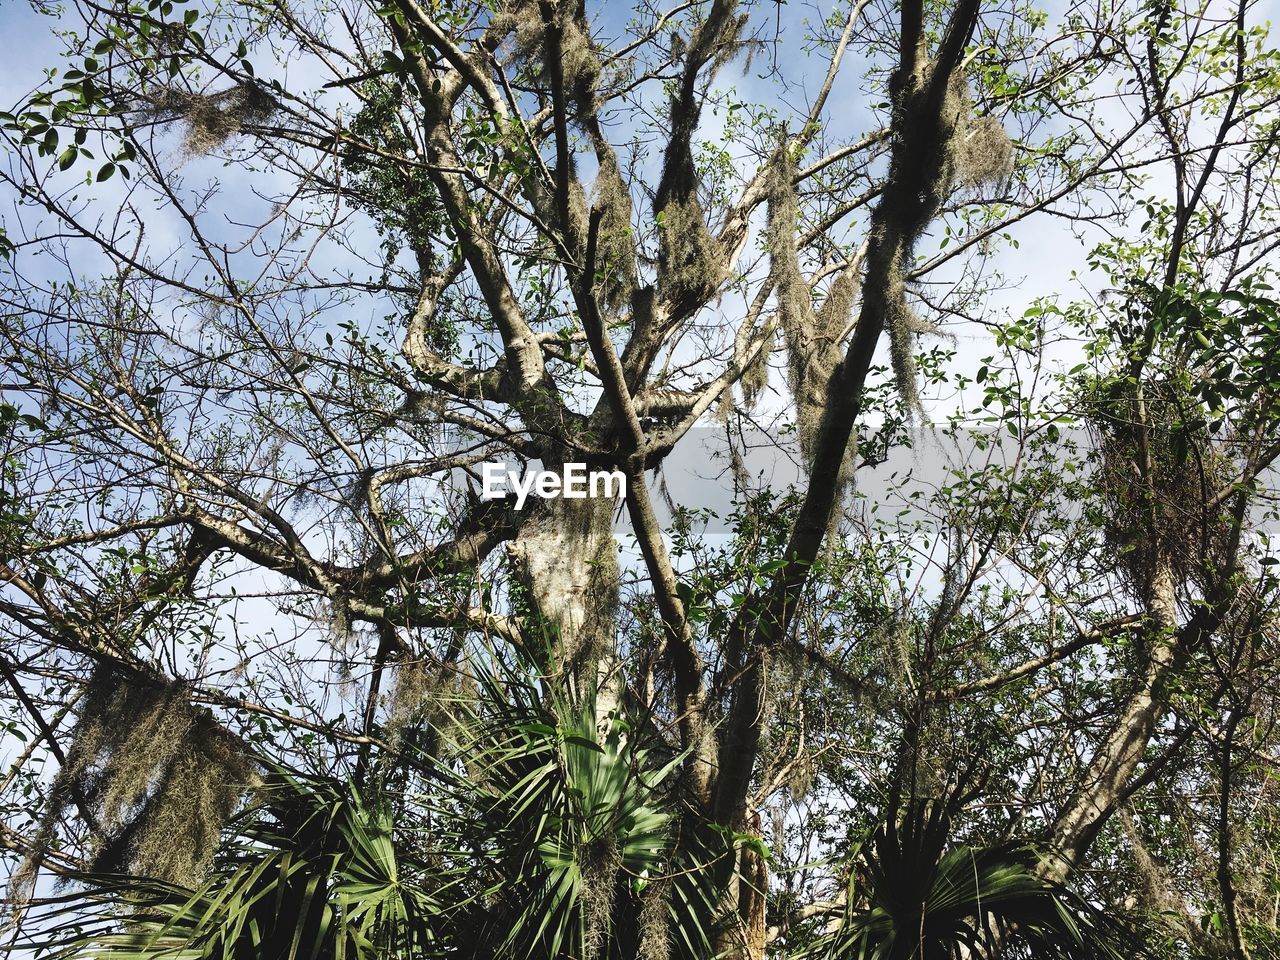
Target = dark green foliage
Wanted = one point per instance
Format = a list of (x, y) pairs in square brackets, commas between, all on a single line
[(314, 874), (539, 832), (912, 898)]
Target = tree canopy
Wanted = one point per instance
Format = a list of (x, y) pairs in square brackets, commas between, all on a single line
[(993, 673)]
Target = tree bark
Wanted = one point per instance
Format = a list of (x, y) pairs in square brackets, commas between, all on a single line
[(566, 558), (1116, 760)]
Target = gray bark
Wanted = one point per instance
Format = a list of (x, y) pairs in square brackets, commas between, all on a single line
[(566, 557), (1117, 758)]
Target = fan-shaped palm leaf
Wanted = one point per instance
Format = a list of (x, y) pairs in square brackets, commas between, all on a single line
[(910, 898), (313, 876)]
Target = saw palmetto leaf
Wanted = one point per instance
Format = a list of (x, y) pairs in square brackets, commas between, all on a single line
[(911, 897), (534, 825), (312, 875)]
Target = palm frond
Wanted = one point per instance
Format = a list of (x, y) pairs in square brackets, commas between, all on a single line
[(912, 898), (313, 875)]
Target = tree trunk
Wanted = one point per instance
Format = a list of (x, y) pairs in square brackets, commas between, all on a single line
[(566, 559), (1103, 785)]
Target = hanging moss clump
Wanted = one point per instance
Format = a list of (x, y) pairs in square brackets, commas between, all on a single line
[(974, 150), (690, 261), (984, 153), (655, 920), (213, 118), (980, 149), (904, 325), (1163, 511), (578, 56), (160, 776), (599, 861), (755, 375), (616, 249), (931, 159), (811, 338)]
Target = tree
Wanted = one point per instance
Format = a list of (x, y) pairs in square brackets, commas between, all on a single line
[(280, 274)]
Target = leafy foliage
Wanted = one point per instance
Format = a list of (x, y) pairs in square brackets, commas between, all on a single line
[(912, 898), (531, 826)]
